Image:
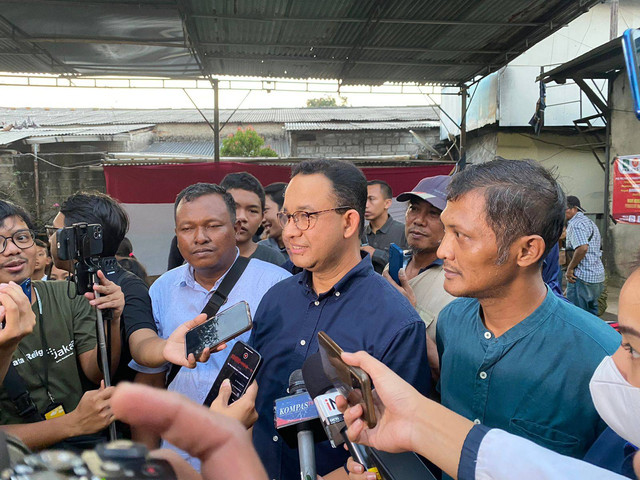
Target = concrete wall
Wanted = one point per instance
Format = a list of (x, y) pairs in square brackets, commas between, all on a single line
[(625, 140), (17, 180), (359, 143)]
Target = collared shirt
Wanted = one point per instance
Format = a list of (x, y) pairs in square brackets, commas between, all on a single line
[(431, 297), (177, 297), (582, 231), (391, 232), (533, 380), (273, 243), (493, 454), (361, 312)]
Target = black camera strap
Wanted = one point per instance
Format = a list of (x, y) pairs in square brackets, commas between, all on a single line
[(217, 300)]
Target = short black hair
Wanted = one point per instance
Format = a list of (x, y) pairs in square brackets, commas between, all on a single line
[(95, 207), (43, 244), (197, 190), (10, 209), (275, 191), (244, 181), (521, 198), (132, 265), (349, 183), (384, 188), (125, 249)]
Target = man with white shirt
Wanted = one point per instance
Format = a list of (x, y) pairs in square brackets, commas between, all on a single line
[(205, 218)]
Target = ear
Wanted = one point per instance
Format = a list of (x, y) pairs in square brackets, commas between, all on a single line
[(351, 224), (387, 203), (529, 250)]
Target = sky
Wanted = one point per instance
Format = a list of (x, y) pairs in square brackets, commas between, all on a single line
[(85, 97)]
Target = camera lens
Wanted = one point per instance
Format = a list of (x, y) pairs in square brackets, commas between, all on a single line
[(97, 233)]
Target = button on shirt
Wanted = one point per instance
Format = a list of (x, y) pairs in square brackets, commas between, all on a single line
[(391, 232), (361, 312), (533, 380), (582, 231), (177, 297)]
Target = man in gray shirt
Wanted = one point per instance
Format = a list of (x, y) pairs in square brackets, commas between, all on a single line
[(382, 230)]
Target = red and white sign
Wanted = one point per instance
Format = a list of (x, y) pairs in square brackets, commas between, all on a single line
[(626, 189), (149, 191)]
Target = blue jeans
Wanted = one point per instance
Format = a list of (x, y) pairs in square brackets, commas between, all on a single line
[(585, 295)]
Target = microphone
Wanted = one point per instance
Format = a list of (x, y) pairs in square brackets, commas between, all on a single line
[(324, 396), (296, 419), (387, 466)]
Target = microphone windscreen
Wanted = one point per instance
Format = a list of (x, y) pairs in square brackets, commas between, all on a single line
[(315, 380), (296, 382)]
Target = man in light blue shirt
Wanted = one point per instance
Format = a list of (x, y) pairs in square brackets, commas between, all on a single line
[(585, 272), (205, 218)]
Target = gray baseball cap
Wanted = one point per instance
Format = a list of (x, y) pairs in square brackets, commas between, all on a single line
[(431, 189)]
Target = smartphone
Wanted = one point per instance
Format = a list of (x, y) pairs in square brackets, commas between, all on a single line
[(397, 260), (226, 325), (240, 368), (352, 382)]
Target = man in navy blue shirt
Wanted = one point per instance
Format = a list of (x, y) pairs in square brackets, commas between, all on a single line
[(337, 292)]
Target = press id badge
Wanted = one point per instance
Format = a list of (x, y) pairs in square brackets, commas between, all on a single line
[(54, 410)]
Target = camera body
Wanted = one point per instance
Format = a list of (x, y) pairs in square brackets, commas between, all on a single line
[(79, 242), (82, 244), (117, 460)]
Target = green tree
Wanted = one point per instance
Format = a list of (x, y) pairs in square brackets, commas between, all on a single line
[(326, 102), (245, 143)]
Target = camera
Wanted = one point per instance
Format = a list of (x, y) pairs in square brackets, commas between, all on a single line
[(82, 244), (117, 460), (79, 242)]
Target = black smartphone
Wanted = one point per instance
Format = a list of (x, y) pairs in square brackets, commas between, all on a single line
[(240, 368), (352, 382), (226, 325)]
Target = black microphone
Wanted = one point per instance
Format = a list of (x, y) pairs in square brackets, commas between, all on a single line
[(296, 419), (324, 396)]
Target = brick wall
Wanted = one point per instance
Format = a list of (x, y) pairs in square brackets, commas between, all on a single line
[(359, 143)]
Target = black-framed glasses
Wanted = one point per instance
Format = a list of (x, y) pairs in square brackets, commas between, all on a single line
[(21, 239), (304, 220)]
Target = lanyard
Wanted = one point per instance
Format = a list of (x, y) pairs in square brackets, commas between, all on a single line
[(45, 347)]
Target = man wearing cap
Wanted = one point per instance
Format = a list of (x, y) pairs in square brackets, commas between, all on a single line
[(382, 230), (422, 280), (585, 272)]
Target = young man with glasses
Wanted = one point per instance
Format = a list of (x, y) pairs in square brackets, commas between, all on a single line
[(52, 407), (337, 292)]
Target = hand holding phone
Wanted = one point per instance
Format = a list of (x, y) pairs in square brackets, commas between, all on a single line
[(397, 260), (240, 368), (352, 382), (226, 325)]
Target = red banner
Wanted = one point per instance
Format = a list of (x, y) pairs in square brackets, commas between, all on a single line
[(626, 189), (161, 183)]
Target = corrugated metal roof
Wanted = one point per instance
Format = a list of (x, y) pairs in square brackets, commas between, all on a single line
[(359, 42), (307, 126), (6, 138), (66, 116), (206, 149)]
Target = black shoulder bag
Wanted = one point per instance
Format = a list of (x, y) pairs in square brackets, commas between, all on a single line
[(217, 300)]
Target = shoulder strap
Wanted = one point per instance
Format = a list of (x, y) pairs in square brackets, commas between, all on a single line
[(217, 300), (19, 395)]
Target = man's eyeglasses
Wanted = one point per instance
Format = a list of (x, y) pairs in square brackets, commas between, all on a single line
[(21, 238), (304, 220)]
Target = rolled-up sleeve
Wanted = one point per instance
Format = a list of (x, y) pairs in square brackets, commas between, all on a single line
[(503, 456)]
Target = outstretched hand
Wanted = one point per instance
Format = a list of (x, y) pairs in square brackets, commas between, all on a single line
[(395, 401), (175, 347), (213, 438)]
